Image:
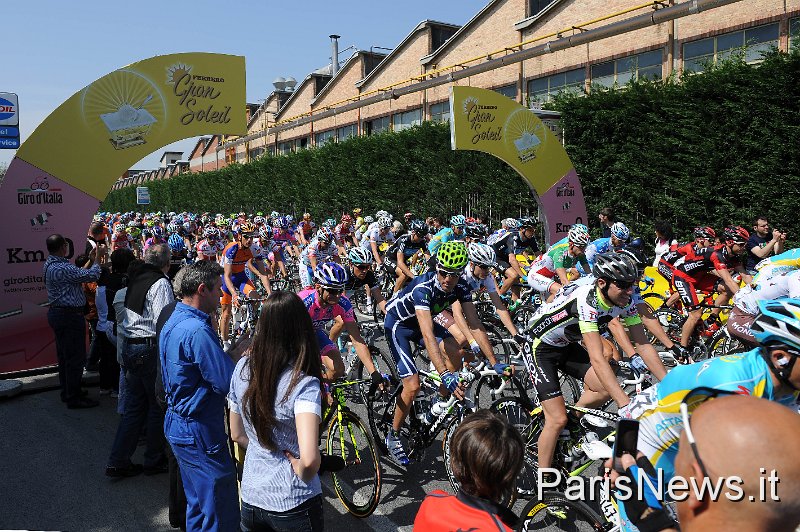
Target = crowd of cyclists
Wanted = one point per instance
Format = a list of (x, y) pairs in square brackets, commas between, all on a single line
[(577, 308)]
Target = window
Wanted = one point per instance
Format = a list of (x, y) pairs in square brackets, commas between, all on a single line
[(255, 153), (345, 132), (760, 39), (542, 89), (377, 125), (537, 6), (324, 137), (621, 71), (405, 120), (302, 144), (440, 112), (794, 33), (285, 148), (509, 91)]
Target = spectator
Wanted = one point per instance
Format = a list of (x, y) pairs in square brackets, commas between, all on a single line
[(275, 403), (762, 244), (148, 292), (607, 219), (756, 433), (65, 315), (107, 287), (197, 373), (665, 239), (486, 458), (90, 314)]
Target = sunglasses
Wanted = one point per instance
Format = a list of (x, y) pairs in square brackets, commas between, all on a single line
[(445, 273), (700, 395), (334, 291), (363, 266), (622, 285)]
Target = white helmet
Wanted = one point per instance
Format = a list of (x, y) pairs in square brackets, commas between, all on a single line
[(384, 222), (578, 235), (482, 254)]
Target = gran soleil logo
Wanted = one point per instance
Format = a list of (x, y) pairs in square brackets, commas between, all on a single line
[(194, 92)]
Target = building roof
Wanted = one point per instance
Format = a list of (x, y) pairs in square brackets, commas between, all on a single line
[(530, 21), (356, 54), (320, 72), (473, 21), (388, 59)]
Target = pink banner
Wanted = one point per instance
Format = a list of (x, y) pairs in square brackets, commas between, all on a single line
[(563, 205), (33, 205)]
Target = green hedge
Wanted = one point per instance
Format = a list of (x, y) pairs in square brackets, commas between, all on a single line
[(714, 148)]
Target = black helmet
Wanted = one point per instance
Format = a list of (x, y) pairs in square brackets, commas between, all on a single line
[(419, 227), (615, 267), (527, 221), (636, 255)]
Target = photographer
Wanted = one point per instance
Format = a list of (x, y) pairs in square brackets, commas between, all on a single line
[(762, 243)]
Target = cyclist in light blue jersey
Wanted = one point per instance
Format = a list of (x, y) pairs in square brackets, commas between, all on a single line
[(619, 236), (455, 232)]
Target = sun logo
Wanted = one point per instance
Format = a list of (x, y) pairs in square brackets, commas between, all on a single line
[(176, 72), (469, 103)]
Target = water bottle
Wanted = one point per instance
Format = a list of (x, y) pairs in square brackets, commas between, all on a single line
[(422, 405)]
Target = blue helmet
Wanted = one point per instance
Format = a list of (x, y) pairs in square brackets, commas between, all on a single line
[(358, 255), (175, 242), (330, 275), (158, 231), (458, 220), (620, 231), (778, 322)]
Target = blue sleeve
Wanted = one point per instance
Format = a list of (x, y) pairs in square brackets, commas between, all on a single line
[(421, 296), (232, 251), (464, 293), (215, 366)]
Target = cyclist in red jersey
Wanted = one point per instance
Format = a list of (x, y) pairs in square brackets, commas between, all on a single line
[(704, 269), (703, 237), (305, 230)]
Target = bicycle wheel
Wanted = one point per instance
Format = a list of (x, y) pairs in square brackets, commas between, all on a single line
[(358, 485), (553, 511), (380, 413), (654, 301), (529, 426), (490, 388), (671, 321)]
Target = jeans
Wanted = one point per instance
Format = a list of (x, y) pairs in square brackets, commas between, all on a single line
[(140, 408), (69, 327), (306, 517)]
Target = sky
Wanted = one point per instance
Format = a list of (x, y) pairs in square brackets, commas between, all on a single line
[(52, 48)]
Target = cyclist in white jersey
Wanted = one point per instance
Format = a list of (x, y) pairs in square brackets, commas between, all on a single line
[(320, 249), (781, 284), (376, 235)]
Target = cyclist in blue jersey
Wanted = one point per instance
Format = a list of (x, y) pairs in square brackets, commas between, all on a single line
[(769, 371), (455, 232), (619, 236), (409, 318)]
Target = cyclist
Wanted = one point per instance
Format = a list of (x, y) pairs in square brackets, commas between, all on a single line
[(779, 264), (558, 266), (619, 236), (446, 234), (211, 246), (236, 257), (282, 241), (345, 236), (506, 246), (157, 237), (178, 254), (359, 220), (576, 315), (362, 229), (326, 301), (409, 318), (377, 234), (405, 247), (703, 270), (769, 371), (305, 229), (320, 249), (360, 274), (764, 287), (120, 240)]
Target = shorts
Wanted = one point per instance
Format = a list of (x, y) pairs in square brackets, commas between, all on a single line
[(306, 275), (445, 319), (326, 345), (240, 282), (540, 283), (503, 265), (666, 270), (738, 325), (685, 286), (544, 360), (399, 335)]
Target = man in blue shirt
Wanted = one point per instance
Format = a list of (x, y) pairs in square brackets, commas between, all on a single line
[(197, 375)]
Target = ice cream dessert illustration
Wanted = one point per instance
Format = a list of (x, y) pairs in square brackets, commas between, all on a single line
[(128, 125)]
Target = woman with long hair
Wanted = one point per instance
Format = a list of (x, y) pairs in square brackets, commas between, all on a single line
[(275, 404)]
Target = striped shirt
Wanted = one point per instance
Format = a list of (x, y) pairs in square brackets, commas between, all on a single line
[(158, 296), (63, 281), (268, 480)]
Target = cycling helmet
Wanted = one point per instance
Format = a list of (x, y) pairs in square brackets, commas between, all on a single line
[(119, 227), (475, 231), (482, 254), (704, 232), (735, 235), (188, 227), (382, 214), (259, 213), (289, 219), (637, 256), (346, 218), (175, 242), (158, 231), (147, 232), (276, 222), (134, 232), (274, 214), (172, 228), (458, 221), (578, 235), (246, 228), (131, 224), (283, 223), (511, 224), (418, 227), (636, 243), (620, 231), (211, 232), (359, 256), (527, 221), (306, 216), (330, 222), (259, 220), (368, 219), (614, 266), (357, 211), (330, 275), (778, 322), (325, 235), (452, 256), (265, 232), (384, 222)]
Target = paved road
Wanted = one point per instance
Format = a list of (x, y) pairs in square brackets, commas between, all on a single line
[(53, 462)]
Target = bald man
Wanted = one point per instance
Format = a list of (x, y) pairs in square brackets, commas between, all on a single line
[(756, 433)]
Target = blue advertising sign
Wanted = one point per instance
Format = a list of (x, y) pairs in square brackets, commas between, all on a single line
[(9, 143), (8, 131), (9, 109)]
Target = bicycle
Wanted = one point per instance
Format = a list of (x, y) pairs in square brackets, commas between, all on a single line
[(244, 320), (358, 485)]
